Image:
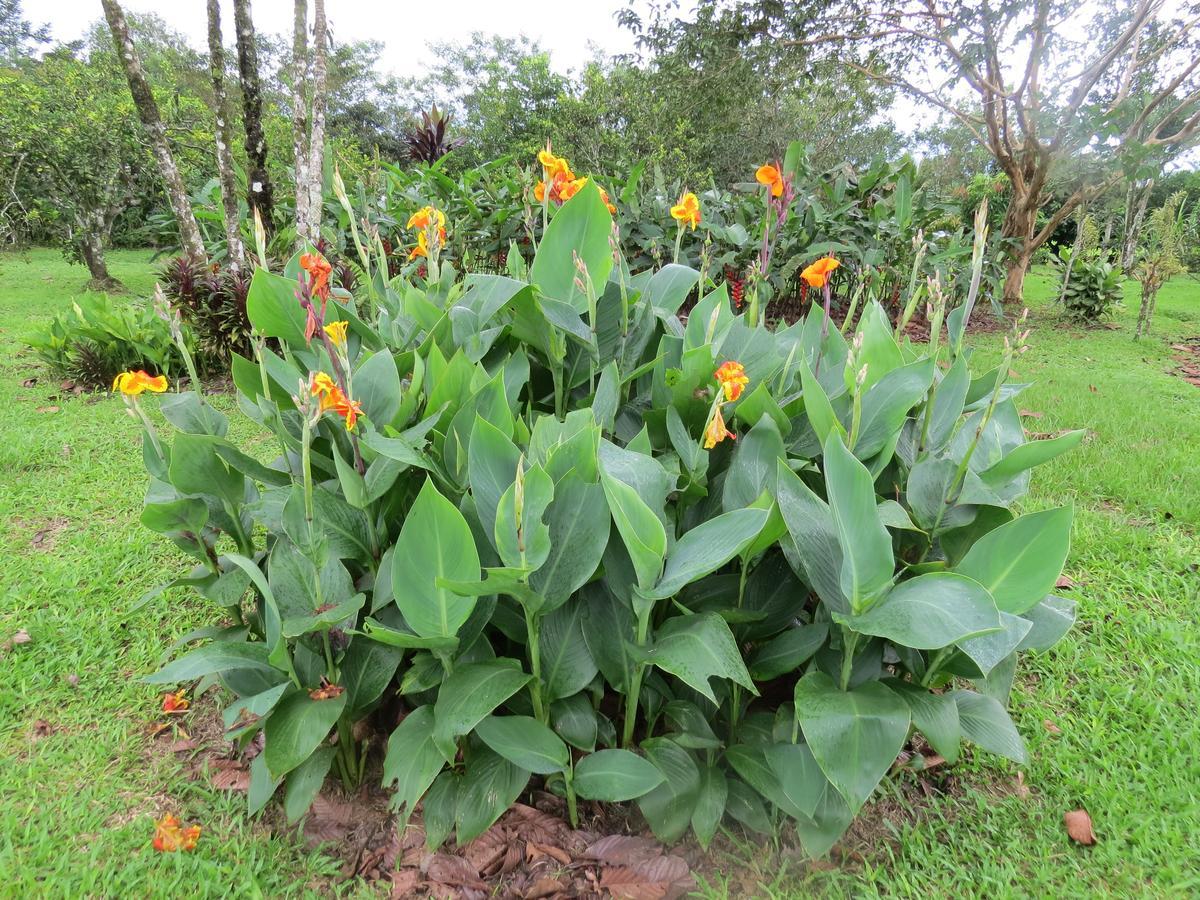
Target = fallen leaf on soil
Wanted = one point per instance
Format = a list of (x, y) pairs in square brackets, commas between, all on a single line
[(1079, 827), (73, 680), (47, 409), (29, 382), (1093, 389), (21, 637), (328, 819), (1051, 727), (228, 774), (1021, 788), (1030, 414), (623, 850), (665, 877), (404, 883), (42, 728), (455, 871), (544, 887), (1064, 582)]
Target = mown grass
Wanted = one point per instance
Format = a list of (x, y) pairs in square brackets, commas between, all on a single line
[(77, 805)]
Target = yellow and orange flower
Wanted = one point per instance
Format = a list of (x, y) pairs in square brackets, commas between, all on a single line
[(732, 378), (170, 836), (715, 431), (334, 398), (426, 216), (327, 690), (337, 333), (133, 383), (771, 177), (817, 274), (612, 210), (555, 167), (319, 270), (175, 704), (422, 248), (687, 210)]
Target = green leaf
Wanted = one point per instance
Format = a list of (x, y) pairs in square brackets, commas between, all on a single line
[(669, 287), (296, 728), (525, 742), (989, 650), (213, 659), (640, 529), (886, 405), (745, 806), (367, 669), (754, 465), (567, 664), (607, 398), (710, 804), (800, 778), (578, 525), (273, 309), (1026, 456), (787, 651), (377, 387), (854, 735), (413, 761), (262, 785), (1020, 561), (435, 542), (707, 547), (581, 227), (934, 715), (491, 785), (821, 416), (697, 648), (985, 722), (669, 807), (404, 640), (492, 466), (468, 694), (867, 562), (525, 542), (1052, 618), (576, 722), (811, 526), (614, 776), (196, 468), (930, 612), (751, 763), (948, 405), (304, 783), (187, 515), (440, 808)]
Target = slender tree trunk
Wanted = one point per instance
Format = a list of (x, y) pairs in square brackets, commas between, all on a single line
[(143, 99), (1135, 213), (316, 149), (300, 117), (1108, 230), (1019, 224), (1075, 247), (261, 193), (223, 135), (91, 249)]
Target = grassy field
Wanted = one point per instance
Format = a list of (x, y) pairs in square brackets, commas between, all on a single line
[(81, 784)]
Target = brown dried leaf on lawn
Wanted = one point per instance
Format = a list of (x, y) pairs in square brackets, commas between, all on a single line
[(21, 637), (329, 819), (404, 883), (486, 852), (1021, 788), (42, 728), (229, 774), (662, 878), (1051, 727), (1031, 414), (47, 409), (623, 850), (543, 887), (1079, 827), (1064, 582), (454, 871), (29, 382)]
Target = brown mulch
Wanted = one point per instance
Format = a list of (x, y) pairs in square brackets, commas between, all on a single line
[(1187, 355)]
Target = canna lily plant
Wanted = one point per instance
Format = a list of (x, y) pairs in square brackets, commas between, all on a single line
[(563, 535)]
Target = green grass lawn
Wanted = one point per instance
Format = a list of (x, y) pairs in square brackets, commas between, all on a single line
[(77, 803)]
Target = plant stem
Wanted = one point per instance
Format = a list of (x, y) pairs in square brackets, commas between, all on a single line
[(849, 644), (535, 664), (572, 802)]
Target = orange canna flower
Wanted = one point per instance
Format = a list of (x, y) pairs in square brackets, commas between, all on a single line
[(817, 274), (715, 431), (612, 210), (334, 398), (732, 378), (133, 383), (771, 177), (555, 167), (422, 248), (687, 210), (425, 216), (539, 192), (337, 333), (327, 690), (175, 704), (321, 385), (169, 836), (319, 270)]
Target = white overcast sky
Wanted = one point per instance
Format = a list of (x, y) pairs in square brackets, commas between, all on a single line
[(405, 27)]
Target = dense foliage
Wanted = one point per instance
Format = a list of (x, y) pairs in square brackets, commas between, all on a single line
[(714, 567)]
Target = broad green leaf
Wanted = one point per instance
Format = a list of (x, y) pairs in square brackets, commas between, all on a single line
[(576, 722), (213, 659), (692, 729), (522, 538), (984, 722), (377, 387), (867, 562), (367, 668), (614, 776), (1028, 455), (879, 351), (189, 514), (697, 648), (707, 547), (567, 664), (746, 806), (854, 735), (581, 227), (800, 778), (1052, 618), (405, 640), (296, 728), (787, 651), (262, 785), (1020, 561), (196, 468), (754, 465), (948, 405), (305, 781), (989, 650), (273, 309), (710, 804), (579, 527), (440, 808), (468, 694), (669, 287), (525, 742), (413, 761), (821, 416), (930, 612), (934, 715), (435, 542), (640, 529), (811, 526), (669, 807), (490, 786), (886, 405)]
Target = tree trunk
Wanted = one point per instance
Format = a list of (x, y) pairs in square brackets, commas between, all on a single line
[(261, 193), (300, 117), (91, 249), (316, 148), (1075, 248), (1108, 230), (223, 135), (143, 99), (1019, 223), (1135, 213)]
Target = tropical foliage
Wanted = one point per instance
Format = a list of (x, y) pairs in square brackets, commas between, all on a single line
[(562, 532)]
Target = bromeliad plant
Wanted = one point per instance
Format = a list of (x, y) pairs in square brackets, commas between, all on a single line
[(559, 532)]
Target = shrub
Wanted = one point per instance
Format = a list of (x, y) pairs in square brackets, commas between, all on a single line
[(213, 301), (1093, 288), (101, 336), (703, 565)]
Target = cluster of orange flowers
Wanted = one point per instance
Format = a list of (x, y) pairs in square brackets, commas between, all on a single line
[(687, 210), (170, 835), (422, 220), (133, 383), (319, 270), (563, 185), (175, 704), (817, 274), (732, 379), (334, 398)]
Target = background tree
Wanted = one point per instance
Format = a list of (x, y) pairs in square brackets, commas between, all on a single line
[(223, 133), (299, 72), (152, 124), (1113, 84), (18, 37), (261, 194), (310, 227)]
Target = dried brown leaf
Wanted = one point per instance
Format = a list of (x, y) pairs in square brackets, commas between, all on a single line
[(623, 850), (1051, 727), (1079, 827), (656, 879), (454, 871), (404, 883), (543, 887), (21, 637), (1064, 582)]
